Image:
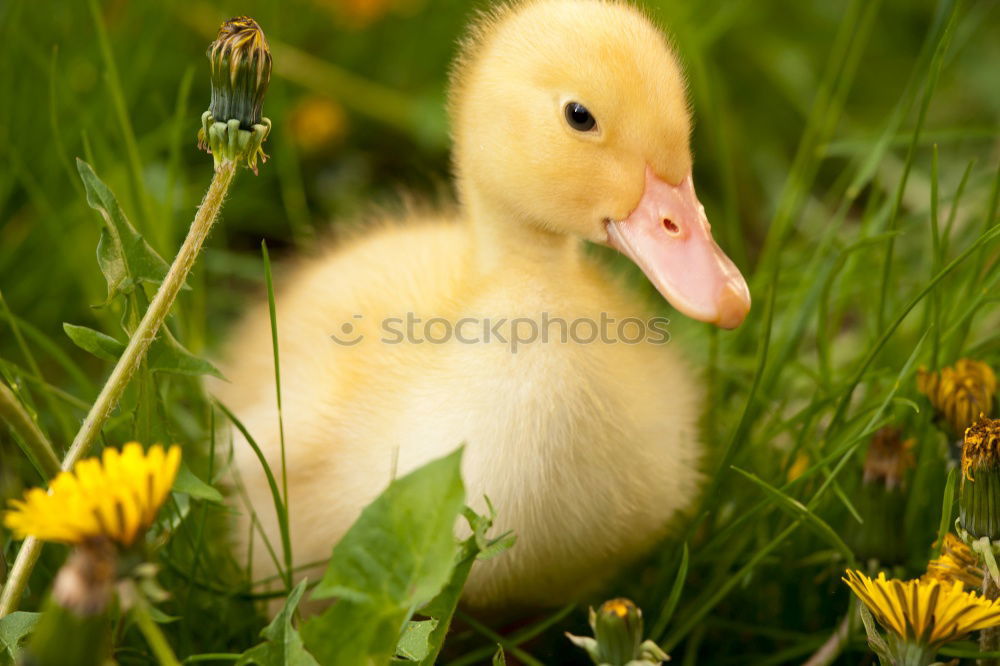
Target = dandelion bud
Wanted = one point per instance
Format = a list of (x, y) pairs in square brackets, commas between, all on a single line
[(961, 393), (74, 627), (888, 458), (617, 641), (618, 630), (979, 499), (233, 128), (882, 499)]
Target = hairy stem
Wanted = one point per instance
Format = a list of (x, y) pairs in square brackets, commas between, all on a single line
[(36, 445), (989, 639), (130, 360)]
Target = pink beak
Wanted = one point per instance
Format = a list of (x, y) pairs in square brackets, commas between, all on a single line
[(669, 238)]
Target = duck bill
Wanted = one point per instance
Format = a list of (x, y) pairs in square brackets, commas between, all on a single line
[(669, 238)]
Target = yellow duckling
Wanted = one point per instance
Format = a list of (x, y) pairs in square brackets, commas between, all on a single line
[(570, 123)]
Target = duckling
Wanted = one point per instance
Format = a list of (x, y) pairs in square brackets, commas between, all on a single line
[(569, 124)]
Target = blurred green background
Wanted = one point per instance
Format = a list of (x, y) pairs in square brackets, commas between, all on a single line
[(356, 102), (356, 99)]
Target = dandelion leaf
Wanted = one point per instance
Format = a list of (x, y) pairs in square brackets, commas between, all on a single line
[(14, 628), (397, 556), (189, 484), (168, 355), (284, 645), (126, 259), (414, 644), (476, 547), (99, 344)]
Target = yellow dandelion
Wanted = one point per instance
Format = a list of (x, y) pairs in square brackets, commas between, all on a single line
[(960, 393), (957, 562), (361, 13), (927, 612), (116, 497), (317, 123), (798, 467)]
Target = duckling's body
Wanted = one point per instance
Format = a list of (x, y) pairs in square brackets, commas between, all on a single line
[(585, 476), (587, 449)]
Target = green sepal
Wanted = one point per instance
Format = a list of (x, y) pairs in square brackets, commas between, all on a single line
[(228, 141), (979, 503)]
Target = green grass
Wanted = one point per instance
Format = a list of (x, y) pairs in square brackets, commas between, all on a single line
[(846, 153)]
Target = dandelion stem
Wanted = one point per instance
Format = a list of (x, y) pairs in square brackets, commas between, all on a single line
[(36, 446), (151, 631), (157, 313), (989, 638), (130, 360)]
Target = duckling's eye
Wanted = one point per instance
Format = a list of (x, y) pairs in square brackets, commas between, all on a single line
[(579, 117)]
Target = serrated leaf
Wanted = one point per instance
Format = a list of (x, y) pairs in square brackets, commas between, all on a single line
[(442, 607), (396, 557), (186, 482), (126, 259), (414, 644), (166, 354), (99, 344), (14, 628), (284, 645)]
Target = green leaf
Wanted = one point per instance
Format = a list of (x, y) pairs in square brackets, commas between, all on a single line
[(166, 354), (476, 547), (499, 659), (398, 556), (414, 644), (284, 645), (402, 547), (126, 259), (100, 345), (13, 629), (186, 482)]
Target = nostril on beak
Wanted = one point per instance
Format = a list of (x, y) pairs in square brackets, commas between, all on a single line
[(669, 225)]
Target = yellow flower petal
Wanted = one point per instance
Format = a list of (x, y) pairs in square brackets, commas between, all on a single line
[(927, 610), (116, 497)]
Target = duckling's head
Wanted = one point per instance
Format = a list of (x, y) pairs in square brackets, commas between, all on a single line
[(571, 116)]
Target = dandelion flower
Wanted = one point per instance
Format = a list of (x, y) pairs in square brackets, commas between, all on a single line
[(957, 562), (924, 612), (960, 393), (116, 497)]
